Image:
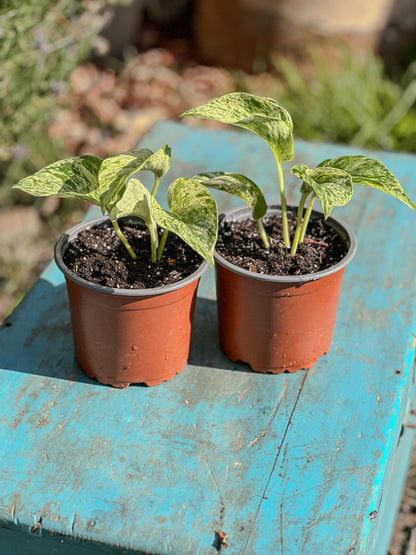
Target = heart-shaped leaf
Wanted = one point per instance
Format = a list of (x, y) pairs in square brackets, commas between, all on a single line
[(116, 170), (332, 186), (137, 201), (193, 216), (193, 213), (371, 173), (238, 185), (262, 116), (70, 178)]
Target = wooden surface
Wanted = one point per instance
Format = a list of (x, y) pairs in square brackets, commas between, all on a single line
[(288, 464)]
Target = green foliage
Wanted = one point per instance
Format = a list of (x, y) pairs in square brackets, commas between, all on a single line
[(262, 116), (115, 171), (351, 101), (41, 42), (71, 178), (265, 118), (193, 216), (332, 186), (110, 184), (332, 182), (371, 173), (238, 185)]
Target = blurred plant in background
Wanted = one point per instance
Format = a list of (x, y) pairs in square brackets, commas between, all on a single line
[(347, 100), (41, 42)]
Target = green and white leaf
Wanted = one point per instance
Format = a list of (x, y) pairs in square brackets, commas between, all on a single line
[(238, 185), (332, 186), (136, 201), (193, 216), (116, 170), (70, 178), (262, 116), (371, 173)]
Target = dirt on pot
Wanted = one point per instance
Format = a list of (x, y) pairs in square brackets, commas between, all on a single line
[(97, 255), (240, 244)]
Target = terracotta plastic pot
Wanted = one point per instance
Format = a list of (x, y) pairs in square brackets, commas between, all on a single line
[(125, 336), (278, 323)]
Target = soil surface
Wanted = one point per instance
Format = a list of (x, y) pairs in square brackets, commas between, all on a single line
[(240, 244), (97, 255)]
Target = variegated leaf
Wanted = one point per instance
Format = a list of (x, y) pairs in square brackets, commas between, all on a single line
[(371, 173), (193, 216), (262, 116), (70, 178), (333, 187), (136, 201), (238, 185), (116, 170)]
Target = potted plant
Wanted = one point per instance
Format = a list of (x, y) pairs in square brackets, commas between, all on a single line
[(131, 287), (279, 277)]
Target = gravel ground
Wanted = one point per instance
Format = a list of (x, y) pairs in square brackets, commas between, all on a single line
[(403, 540)]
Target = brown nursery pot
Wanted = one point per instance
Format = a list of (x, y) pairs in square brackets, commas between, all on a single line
[(279, 323), (124, 336)]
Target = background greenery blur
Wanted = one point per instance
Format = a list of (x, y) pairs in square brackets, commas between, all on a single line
[(62, 94), (41, 42)]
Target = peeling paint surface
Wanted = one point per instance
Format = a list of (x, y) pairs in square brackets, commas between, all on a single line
[(291, 463)]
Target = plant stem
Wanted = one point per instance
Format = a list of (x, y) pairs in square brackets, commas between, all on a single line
[(155, 185), (162, 244), (295, 242), (123, 239), (154, 240), (263, 234), (306, 217), (285, 224)]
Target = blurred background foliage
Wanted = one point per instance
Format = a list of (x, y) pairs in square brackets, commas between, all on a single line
[(41, 42), (75, 78), (350, 101)]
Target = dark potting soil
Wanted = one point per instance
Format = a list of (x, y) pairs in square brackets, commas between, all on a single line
[(97, 255), (240, 244)]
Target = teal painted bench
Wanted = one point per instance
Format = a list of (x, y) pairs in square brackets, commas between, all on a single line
[(311, 462)]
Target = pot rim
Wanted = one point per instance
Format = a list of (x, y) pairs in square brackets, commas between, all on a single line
[(69, 235), (241, 212)]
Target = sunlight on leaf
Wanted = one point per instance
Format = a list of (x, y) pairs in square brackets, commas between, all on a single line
[(193, 216), (371, 173), (238, 185), (70, 178), (332, 186), (116, 170), (262, 116), (136, 201)]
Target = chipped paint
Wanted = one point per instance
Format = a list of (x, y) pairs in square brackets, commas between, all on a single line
[(275, 462)]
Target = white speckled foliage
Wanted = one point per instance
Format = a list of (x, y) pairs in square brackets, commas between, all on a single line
[(110, 184), (332, 182)]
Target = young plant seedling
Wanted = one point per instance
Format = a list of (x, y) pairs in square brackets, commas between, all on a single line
[(110, 184), (332, 182)]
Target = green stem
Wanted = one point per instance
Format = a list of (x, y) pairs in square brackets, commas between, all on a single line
[(306, 217), (123, 239), (296, 238), (154, 240), (285, 224), (162, 244), (155, 185), (263, 234)]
